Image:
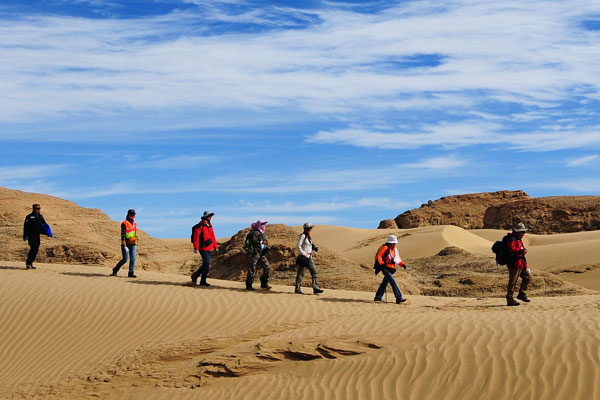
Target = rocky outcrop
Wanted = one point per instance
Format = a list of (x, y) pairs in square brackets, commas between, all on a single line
[(503, 209), (465, 210), (387, 224), (559, 214)]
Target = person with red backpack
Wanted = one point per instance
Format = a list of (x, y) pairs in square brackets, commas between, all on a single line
[(386, 260), (517, 265), (205, 241)]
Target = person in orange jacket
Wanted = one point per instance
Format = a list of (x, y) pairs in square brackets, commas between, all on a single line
[(386, 261), (205, 241)]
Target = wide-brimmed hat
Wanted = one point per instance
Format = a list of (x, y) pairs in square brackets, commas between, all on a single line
[(207, 214), (520, 227), (392, 239)]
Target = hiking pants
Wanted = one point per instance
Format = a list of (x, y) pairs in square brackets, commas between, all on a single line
[(258, 258), (204, 268), (513, 276), (388, 277), (34, 247), (310, 264), (128, 253)]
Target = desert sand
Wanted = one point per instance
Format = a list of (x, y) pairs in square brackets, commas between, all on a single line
[(74, 332)]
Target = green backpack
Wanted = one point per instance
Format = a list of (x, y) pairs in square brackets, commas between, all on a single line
[(248, 246)]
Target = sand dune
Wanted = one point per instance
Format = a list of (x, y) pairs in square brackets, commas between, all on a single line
[(74, 332)]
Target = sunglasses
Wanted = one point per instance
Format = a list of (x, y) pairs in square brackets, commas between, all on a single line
[(39, 208)]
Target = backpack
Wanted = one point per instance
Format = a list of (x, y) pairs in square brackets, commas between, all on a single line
[(376, 266), (500, 249), (248, 246)]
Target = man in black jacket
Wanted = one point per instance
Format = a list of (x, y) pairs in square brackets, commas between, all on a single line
[(31, 232)]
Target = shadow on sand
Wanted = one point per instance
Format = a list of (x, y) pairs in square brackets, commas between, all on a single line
[(86, 274), (13, 268), (211, 287)]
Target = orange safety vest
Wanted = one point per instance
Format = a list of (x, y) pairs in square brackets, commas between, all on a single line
[(130, 232)]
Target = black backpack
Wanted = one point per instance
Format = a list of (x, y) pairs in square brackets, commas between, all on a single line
[(500, 249)]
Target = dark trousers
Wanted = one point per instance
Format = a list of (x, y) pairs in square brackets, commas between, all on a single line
[(513, 277), (204, 268), (387, 278), (258, 258), (34, 247), (300, 266)]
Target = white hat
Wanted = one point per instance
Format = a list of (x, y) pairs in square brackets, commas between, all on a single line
[(392, 239), (520, 227)]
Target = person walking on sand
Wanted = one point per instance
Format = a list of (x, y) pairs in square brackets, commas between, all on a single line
[(386, 260), (257, 245), (205, 241), (305, 260), (33, 227), (129, 240), (517, 265)]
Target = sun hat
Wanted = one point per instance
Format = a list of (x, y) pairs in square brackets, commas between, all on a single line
[(520, 227), (392, 239)]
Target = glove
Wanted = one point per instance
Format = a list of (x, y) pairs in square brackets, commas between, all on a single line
[(403, 265)]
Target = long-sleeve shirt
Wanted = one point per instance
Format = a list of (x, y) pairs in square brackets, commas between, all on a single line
[(392, 258), (304, 245), (32, 228), (516, 252)]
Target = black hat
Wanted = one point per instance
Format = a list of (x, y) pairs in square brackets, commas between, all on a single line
[(131, 211)]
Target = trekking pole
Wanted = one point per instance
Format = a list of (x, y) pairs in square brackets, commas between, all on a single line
[(386, 297)]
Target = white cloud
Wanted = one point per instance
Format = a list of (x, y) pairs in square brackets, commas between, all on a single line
[(12, 174), (533, 54), (582, 160), (176, 162)]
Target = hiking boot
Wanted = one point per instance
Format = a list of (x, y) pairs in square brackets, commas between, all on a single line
[(194, 281), (318, 290), (379, 299), (204, 284), (27, 266), (131, 275), (32, 266), (523, 296), (400, 300), (511, 302), (113, 273), (298, 291), (249, 287)]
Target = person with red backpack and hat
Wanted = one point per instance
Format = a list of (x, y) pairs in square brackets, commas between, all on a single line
[(205, 241), (129, 240), (517, 265), (386, 261)]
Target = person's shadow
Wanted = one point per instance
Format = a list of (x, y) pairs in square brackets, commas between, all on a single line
[(12, 268)]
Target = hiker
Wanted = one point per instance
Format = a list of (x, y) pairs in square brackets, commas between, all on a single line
[(387, 259), (258, 248), (205, 241), (305, 259), (33, 227), (517, 265), (129, 240)]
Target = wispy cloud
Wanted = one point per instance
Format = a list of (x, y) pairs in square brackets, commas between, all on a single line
[(340, 63), (582, 160), (176, 162)]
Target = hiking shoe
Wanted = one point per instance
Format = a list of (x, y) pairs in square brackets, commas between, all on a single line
[(249, 288), (114, 273), (318, 290), (298, 291), (511, 302), (204, 284), (32, 266), (379, 299), (27, 266), (400, 300), (130, 275), (523, 296)]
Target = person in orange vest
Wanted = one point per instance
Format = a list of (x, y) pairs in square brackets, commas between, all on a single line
[(129, 240), (386, 261), (204, 240)]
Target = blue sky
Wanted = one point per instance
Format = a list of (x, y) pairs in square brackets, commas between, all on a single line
[(339, 113)]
